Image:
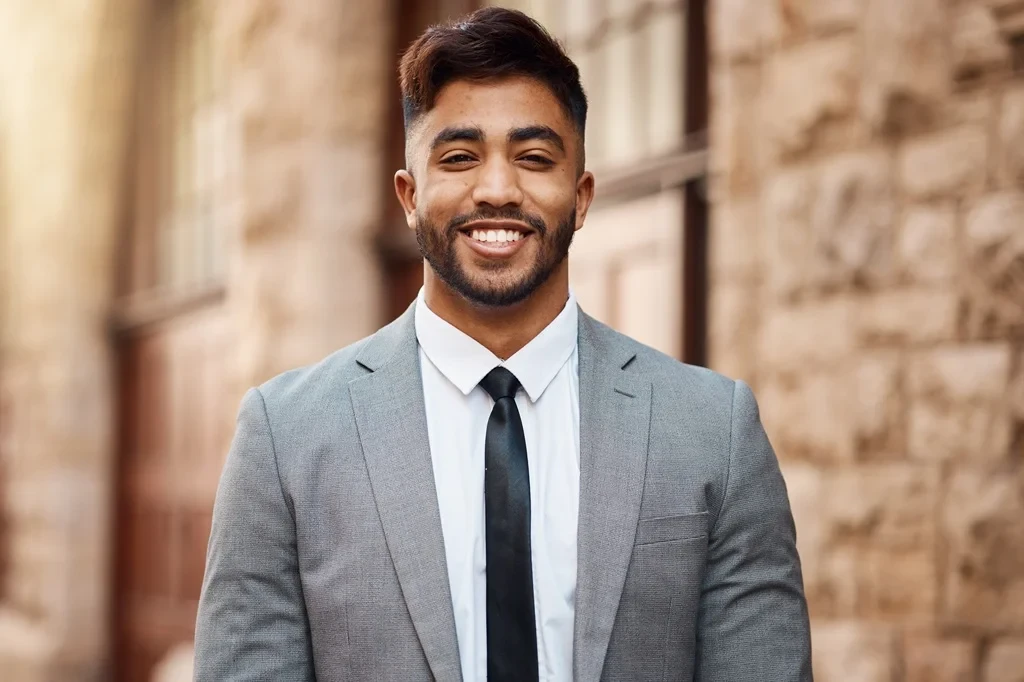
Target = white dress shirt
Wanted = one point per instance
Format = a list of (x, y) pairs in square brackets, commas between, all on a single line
[(452, 366)]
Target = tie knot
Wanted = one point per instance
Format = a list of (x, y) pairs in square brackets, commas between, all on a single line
[(500, 383)]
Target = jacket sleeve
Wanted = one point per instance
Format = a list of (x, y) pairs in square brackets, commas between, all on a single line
[(252, 621), (753, 623)]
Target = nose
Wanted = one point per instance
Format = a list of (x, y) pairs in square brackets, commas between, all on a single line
[(497, 184)]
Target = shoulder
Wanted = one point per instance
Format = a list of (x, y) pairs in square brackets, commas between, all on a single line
[(313, 388), (667, 374), (305, 387)]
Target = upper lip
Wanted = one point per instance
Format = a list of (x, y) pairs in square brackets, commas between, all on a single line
[(507, 225)]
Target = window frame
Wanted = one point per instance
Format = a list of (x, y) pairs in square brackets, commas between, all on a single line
[(143, 298)]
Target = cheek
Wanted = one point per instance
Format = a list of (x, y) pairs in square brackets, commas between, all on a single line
[(551, 195), (443, 196)]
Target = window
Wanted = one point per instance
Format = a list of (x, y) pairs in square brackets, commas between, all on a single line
[(176, 239)]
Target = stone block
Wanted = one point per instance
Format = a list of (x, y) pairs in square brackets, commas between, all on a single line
[(959, 403), (975, 373), (733, 320), (851, 219), (848, 651), (879, 407), (973, 106), (735, 149), (812, 16), (927, 250), (830, 227), (978, 45), (883, 506), (983, 570), (994, 261), (912, 316), (743, 28), (966, 432), (830, 572), (786, 211), (944, 164), (906, 63), (833, 590), (1011, 137), (806, 335), (867, 539), (928, 657), (1015, 393), (809, 416), (806, 87), (735, 239), (897, 585), (1005, 662)]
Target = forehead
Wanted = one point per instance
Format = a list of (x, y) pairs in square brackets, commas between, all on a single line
[(496, 105)]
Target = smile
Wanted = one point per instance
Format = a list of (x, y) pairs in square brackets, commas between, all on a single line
[(496, 240), (499, 236)]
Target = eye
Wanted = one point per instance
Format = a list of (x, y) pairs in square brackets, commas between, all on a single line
[(537, 159), (457, 159)]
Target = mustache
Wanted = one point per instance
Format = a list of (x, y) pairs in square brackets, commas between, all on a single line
[(506, 213)]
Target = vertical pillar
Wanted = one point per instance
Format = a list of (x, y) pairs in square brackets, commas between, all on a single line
[(67, 74)]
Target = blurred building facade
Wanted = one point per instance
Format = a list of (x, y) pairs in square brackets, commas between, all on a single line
[(195, 195)]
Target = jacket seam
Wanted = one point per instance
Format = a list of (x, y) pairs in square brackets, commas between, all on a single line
[(728, 461), (273, 452)]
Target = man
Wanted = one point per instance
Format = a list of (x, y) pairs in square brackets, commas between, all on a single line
[(496, 486)]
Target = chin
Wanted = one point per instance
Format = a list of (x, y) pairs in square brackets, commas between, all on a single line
[(482, 292)]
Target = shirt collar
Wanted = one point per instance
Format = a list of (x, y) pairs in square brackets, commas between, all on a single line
[(464, 362)]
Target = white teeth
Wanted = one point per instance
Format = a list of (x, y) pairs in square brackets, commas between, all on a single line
[(499, 236)]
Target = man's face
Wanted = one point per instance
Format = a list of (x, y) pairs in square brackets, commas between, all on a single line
[(494, 190)]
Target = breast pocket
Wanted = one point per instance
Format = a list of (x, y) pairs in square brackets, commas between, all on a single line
[(655, 628), (668, 528)]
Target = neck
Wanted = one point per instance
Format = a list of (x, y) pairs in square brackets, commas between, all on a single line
[(502, 330)]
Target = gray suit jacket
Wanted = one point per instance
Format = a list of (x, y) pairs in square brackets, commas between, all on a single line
[(326, 559)]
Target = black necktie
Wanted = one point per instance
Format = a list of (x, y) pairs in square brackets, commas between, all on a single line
[(511, 629)]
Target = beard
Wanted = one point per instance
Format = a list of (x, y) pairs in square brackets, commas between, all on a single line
[(506, 287)]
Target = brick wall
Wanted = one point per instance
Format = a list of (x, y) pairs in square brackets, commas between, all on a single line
[(867, 276)]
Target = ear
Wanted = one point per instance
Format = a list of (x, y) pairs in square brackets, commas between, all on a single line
[(405, 190), (584, 196)]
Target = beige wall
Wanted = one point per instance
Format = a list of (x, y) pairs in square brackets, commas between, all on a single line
[(868, 278), (309, 84), (305, 101), (67, 72)]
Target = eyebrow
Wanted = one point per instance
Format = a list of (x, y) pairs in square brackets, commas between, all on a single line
[(457, 134), (537, 132), (476, 134)]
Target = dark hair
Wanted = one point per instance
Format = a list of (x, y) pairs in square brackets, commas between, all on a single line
[(489, 43)]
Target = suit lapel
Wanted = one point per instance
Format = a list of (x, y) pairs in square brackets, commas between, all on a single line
[(615, 409), (391, 418)]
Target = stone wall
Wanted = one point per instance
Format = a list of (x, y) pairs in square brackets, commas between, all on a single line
[(867, 277), (305, 97), (67, 73), (308, 84)]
